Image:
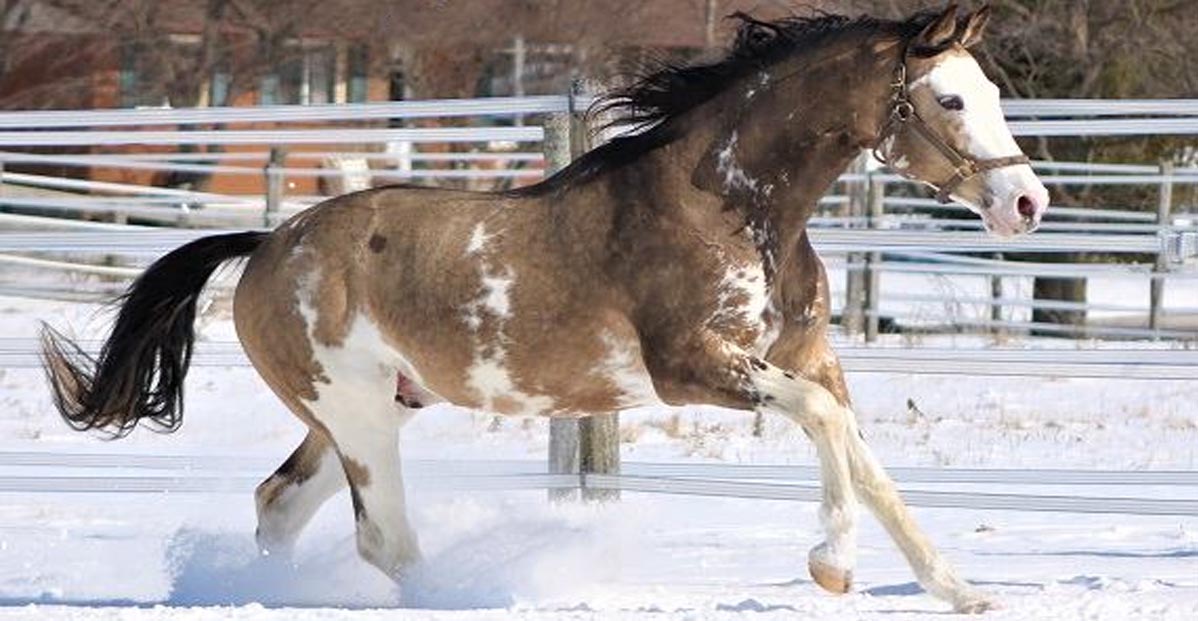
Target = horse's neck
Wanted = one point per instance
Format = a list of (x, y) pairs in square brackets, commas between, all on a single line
[(742, 177)]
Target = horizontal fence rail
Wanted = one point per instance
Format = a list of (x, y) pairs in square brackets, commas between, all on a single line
[(500, 106), (271, 136), (720, 480), (825, 240), (203, 464), (1142, 364), (916, 498), (430, 108)]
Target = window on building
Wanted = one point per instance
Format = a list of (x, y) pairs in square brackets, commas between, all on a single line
[(303, 76), (359, 70), (218, 88), (140, 80)]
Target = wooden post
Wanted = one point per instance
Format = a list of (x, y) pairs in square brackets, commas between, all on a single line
[(852, 316), (563, 432), (599, 451), (274, 186), (519, 56), (995, 305), (589, 445), (873, 260), (1156, 291)]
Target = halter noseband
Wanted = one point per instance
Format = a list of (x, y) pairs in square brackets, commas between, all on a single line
[(903, 115)]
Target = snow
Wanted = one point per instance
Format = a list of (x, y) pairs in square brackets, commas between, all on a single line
[(512, 555)]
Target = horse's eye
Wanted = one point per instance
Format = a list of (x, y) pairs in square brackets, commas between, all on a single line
[(951, 102)]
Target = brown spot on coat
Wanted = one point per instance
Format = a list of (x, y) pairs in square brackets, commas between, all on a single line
[(301, 465), (357, 472), (377, 243)]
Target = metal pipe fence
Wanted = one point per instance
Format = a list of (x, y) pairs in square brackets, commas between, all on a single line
[(903, 236), (167, 474), (1105, 363)]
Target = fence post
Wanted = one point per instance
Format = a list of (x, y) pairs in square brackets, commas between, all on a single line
[(563, 432), (852, 317), (873, 277), (598, 435), (1156, 291), (274, 186), (995, 305), (590, 445)]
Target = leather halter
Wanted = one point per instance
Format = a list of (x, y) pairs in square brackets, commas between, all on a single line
[(903, 115)]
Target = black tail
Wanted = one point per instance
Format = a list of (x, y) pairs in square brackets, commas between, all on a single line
[(140, 369)]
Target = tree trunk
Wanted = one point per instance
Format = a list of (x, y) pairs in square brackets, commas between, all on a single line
[(1060, 289)]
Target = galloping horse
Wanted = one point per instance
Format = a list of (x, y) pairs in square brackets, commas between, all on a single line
[(669, 265)]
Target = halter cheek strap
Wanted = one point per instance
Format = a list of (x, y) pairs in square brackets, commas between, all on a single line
[(903, 115)]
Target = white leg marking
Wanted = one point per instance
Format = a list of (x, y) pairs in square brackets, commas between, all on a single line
[(357, 407), (823, 418), (291, 508), (931, 569), (847, 465), (385, 537)]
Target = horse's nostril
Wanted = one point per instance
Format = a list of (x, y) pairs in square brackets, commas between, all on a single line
[(1026, 207)]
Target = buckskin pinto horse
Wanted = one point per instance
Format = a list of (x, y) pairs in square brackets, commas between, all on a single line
[(670, 265)]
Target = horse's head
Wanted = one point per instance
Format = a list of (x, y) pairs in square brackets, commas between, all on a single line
[(945, 128)]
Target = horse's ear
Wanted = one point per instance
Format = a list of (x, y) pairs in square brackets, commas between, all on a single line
[(940, 32), (975, 24)]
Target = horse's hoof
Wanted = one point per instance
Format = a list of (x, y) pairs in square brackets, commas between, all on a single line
[(830, 578), (975, 605)]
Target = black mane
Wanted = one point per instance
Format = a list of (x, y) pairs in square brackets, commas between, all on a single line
[(670, 89)]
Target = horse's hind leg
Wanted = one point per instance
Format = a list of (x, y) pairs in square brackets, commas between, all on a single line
[(289, 498), (370, 456), (358, 408)]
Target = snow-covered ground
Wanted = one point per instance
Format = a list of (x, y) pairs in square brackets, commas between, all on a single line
[(512, 555)]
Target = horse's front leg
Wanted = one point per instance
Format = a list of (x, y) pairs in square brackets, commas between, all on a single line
[(875, 488), (825, 420), (770, 388), (934, 572)]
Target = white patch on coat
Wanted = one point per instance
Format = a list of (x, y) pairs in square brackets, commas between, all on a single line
[(772, 320), (726, 165), (745, 298), (362, 359), (493, 381), (763, 80), (623, 366), (497, 281), (489, 375), (495, 293), (478, 239)]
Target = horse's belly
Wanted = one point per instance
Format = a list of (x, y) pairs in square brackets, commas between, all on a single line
[(534, 379)]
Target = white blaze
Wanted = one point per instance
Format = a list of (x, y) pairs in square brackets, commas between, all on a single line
[(986, 136)]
